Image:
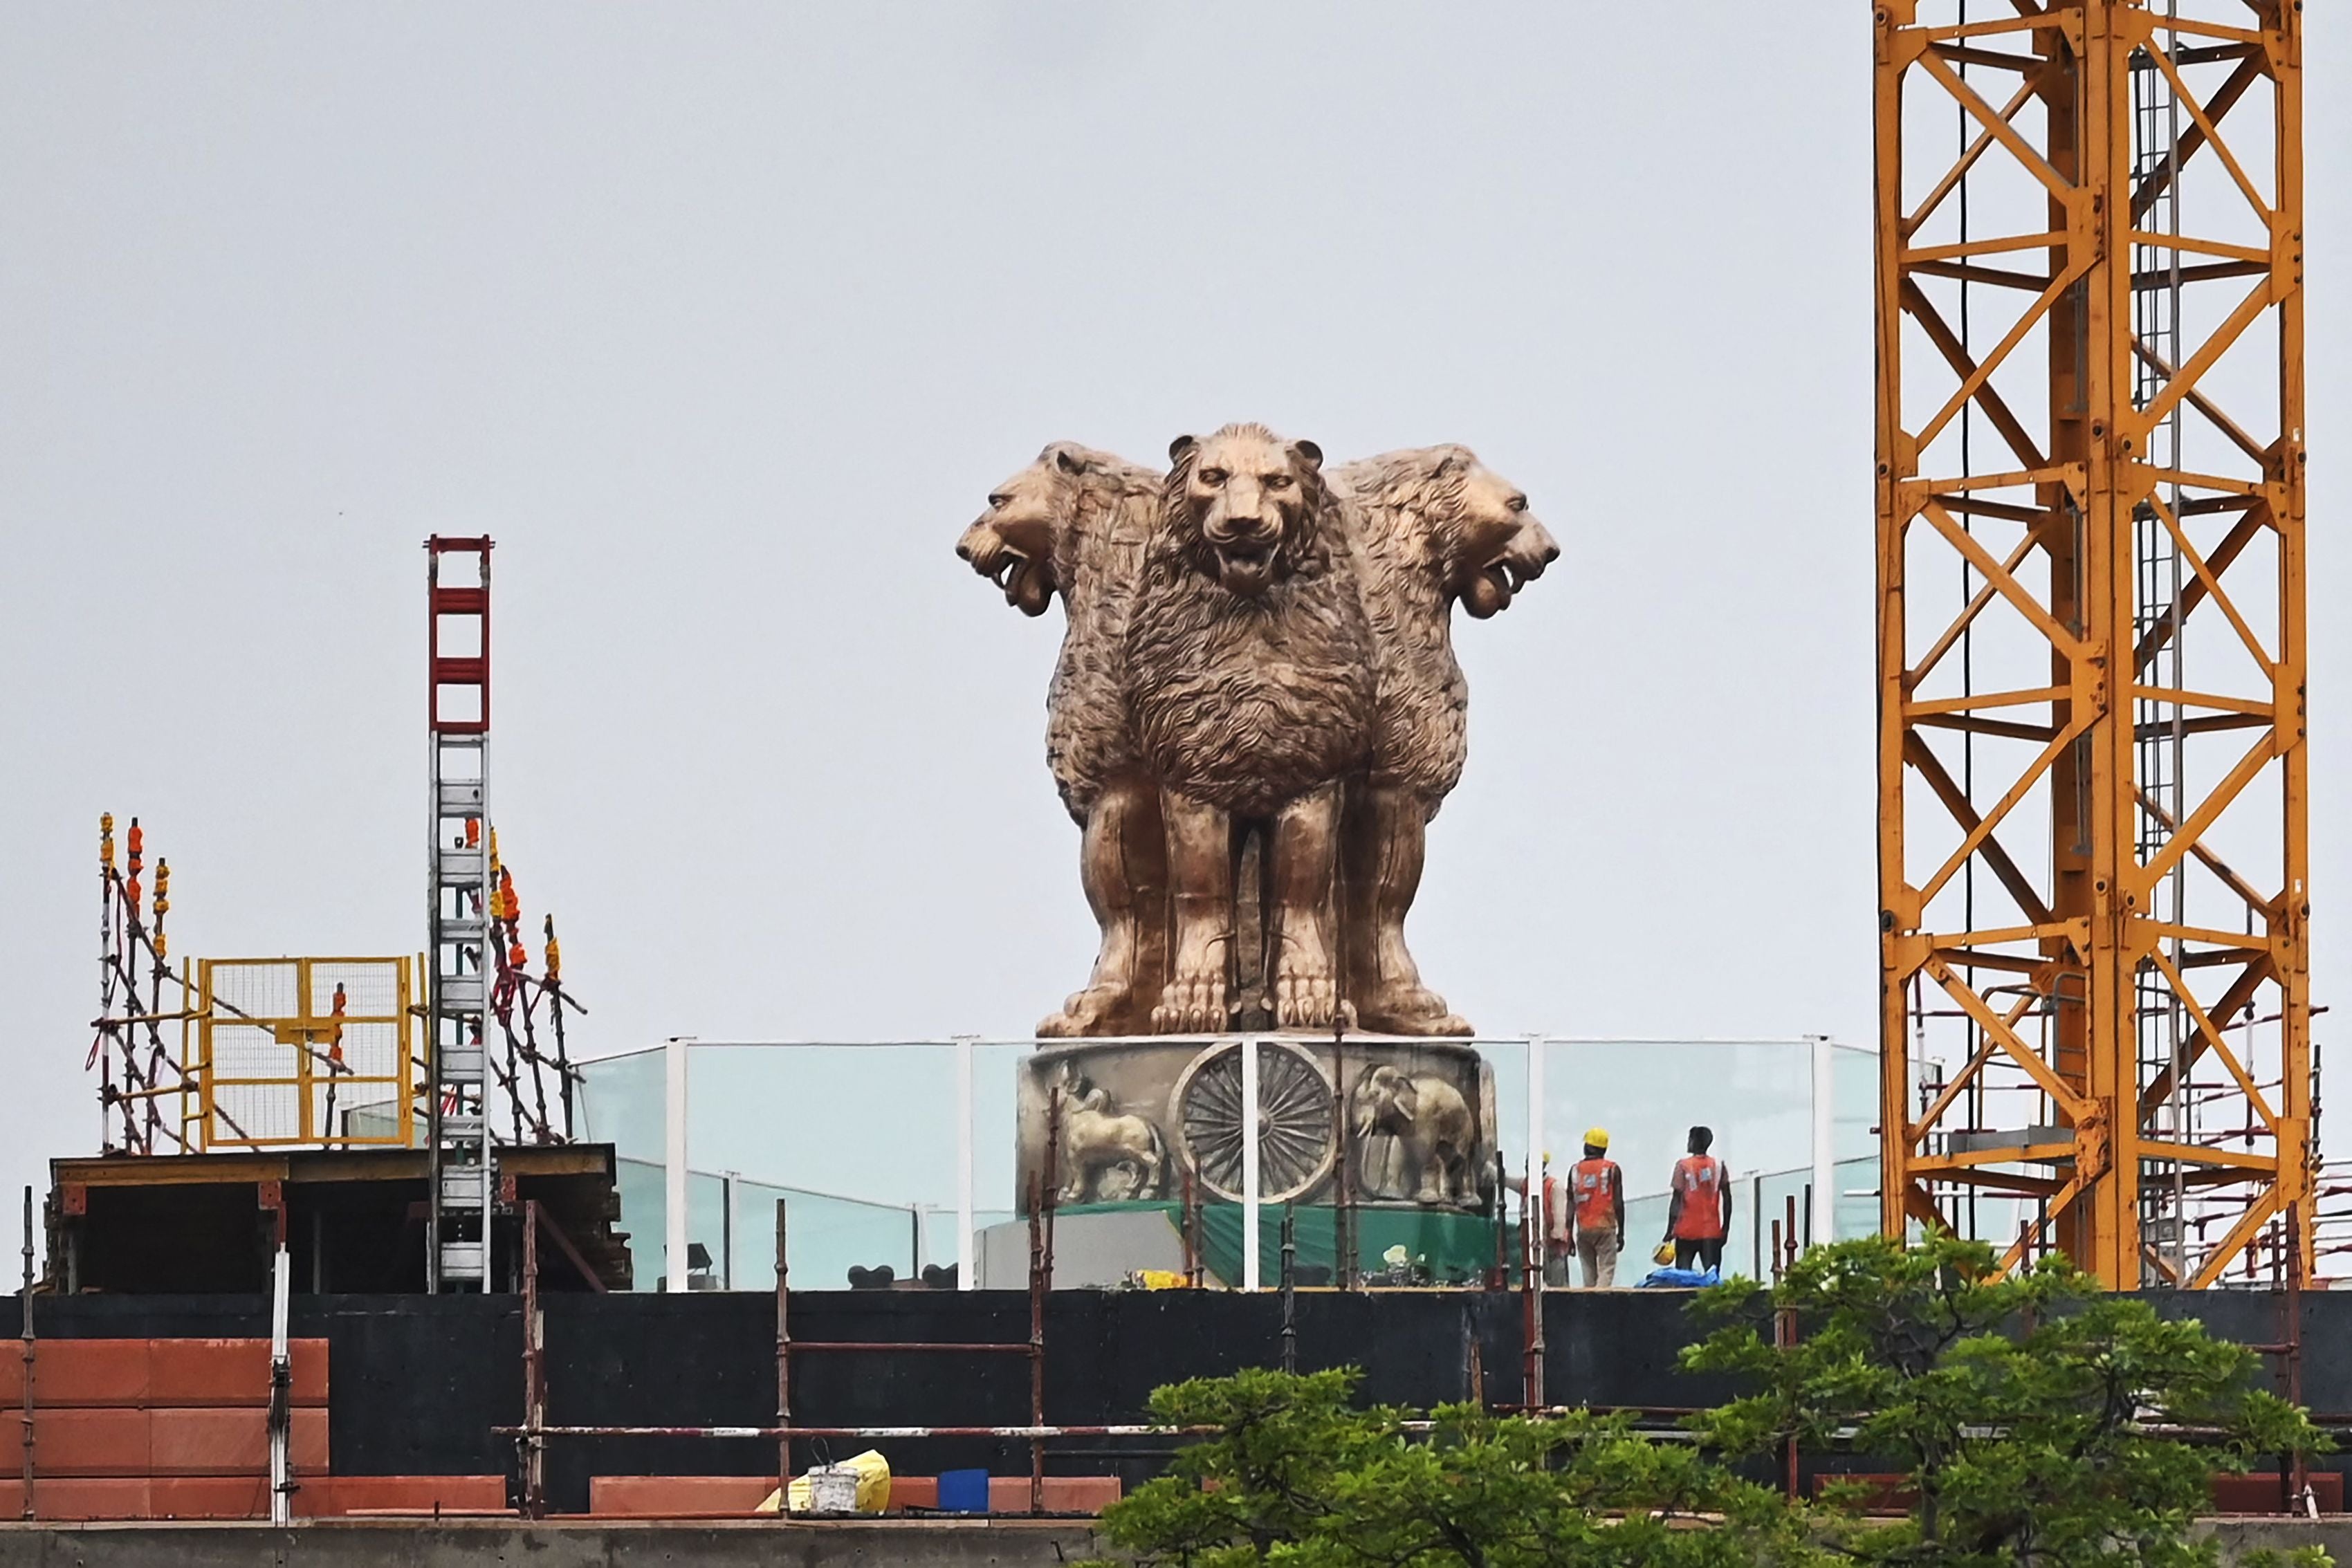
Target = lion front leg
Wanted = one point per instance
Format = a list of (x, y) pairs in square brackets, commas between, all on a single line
[(1200, 895), (1306, 847), (1387, 834), (1123, 866)]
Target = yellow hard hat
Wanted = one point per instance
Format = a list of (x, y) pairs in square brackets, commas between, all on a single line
[(1664, 1254), (1596, 1137)]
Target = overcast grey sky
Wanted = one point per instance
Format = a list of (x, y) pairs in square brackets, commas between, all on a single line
[(723, 319)]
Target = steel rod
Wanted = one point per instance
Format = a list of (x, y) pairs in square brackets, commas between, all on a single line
[(783, 1368), (534, 1371), (25, 1317), (803, 1347), (1290, 1287), (1034, 1433), (1050, 1199), (1531, 1244)]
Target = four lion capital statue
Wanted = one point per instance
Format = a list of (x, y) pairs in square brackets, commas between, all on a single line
[(1256, 713)]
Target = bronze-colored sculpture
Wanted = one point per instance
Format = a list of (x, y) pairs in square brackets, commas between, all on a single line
[(1250, 677), (1074, 523), (1222, 719), (1431, 525)]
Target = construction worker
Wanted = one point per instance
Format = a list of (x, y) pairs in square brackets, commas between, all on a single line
[(1599, 1187), (1559, 1229), (1698, 1205)]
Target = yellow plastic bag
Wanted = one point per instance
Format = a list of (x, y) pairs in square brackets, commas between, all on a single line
[(1162, 1279), (873, 1486)]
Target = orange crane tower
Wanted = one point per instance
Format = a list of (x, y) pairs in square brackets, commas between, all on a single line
[(2094, 780)]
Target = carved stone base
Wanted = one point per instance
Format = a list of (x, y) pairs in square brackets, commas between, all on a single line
[(1398, 1120)]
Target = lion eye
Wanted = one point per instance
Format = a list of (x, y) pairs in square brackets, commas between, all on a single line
[(998, 503), (1212, 475), (1279, 481), (1517, 504)]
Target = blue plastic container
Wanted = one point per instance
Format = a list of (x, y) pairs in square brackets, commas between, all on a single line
[(963, 1491)]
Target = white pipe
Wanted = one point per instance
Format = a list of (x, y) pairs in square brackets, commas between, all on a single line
[(281, 1415), (966, 1246), (1249, 1163), (1824, 1215), (673, 1162)]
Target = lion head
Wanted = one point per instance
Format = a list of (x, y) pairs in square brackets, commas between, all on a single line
[(1248, 507), (1012, 543), (1489, 545)]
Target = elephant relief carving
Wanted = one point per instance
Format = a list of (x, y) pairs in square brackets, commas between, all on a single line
[(1418, 1135)]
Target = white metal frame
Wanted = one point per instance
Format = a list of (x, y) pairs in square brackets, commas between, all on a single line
[(1823, 1055)]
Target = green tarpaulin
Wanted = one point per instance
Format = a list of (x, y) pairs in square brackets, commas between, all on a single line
[(1447, 1248)]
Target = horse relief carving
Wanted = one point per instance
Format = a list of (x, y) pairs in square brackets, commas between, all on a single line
[(1107, 1156)]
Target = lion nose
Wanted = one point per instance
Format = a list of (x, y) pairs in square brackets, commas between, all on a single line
[(1545, 550), (1234, 530)]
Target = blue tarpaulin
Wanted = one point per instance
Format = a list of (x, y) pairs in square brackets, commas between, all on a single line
[(1680, 1279)]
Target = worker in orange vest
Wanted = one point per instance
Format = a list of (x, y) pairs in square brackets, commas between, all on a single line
[(1598, 1190), (1698, 1206), (1559, 1229)]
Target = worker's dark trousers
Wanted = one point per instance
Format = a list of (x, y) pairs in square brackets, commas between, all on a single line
[(1709, 1253)]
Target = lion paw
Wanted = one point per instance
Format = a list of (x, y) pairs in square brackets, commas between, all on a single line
[(1191, 1004), (1088, 1014), (1306, 994), (1411, 1010)]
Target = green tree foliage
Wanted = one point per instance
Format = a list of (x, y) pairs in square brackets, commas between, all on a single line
[(1292, 1472), (2041, 1423)]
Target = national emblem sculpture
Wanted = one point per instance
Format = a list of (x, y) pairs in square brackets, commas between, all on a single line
[(1256, 713)]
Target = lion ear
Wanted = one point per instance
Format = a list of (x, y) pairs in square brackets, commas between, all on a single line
[(1450, 460), (1068, 461), (1184, 447), (1308, 453)]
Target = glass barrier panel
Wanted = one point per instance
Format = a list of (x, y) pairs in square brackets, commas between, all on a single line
[(877, 1121), (1756, 1095), (643, 1218), (864, 1138), (620, 1103)]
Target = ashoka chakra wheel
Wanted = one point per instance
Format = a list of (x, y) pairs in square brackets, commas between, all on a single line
[(1297, 1130)]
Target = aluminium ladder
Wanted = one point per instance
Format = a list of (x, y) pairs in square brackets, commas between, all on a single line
[(460, 1190)]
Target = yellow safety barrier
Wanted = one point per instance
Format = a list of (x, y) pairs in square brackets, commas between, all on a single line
[(288, 1052)]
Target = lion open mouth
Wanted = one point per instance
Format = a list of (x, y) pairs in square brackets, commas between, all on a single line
[(1491, 590), (1021, 581), (1246, 567)]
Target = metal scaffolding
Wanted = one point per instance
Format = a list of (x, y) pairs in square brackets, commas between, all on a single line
[(2094, 988)]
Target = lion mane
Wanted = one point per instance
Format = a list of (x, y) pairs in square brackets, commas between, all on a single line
[(1421, 736), (1112, 506), (1246, 704), (1413, 514)]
